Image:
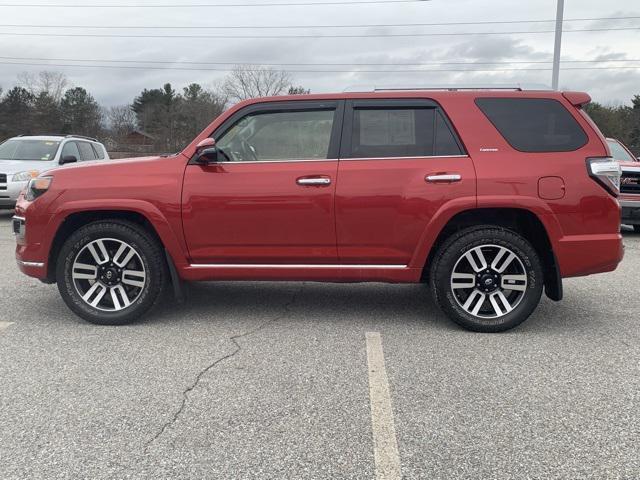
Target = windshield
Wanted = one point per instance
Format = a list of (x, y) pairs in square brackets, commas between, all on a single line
[(619, 153), (24, 149)]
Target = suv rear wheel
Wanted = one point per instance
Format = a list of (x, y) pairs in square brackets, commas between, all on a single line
[(487, 279), (110, 272)]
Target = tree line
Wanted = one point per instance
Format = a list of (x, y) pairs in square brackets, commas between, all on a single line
[(621, 122), (46, 103)]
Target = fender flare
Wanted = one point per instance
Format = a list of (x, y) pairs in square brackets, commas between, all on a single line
[(463, 204), (174, 244)]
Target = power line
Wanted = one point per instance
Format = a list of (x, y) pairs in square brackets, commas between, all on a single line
[(132, 67), (210, 5), (262, 27), (311, 64), (368, 35)]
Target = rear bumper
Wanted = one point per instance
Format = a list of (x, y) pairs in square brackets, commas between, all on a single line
[(580, 255)]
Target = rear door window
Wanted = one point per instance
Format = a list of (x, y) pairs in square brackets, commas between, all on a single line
[(445, 143), (86, 152), (534, 124), (387, 129)]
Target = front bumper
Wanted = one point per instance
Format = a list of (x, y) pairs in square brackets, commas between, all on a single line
[(630, 212), (28, 254), (10, 192)]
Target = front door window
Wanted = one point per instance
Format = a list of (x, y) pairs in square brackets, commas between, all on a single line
[(279, 136)]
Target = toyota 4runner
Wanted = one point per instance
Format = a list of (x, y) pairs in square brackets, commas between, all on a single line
[(489, 195)]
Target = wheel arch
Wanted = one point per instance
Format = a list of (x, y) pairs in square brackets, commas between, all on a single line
[(519, 220), (76, 218)]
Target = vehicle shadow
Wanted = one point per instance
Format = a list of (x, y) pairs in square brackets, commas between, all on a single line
[(382, 305), (375, 305), (385, 304)]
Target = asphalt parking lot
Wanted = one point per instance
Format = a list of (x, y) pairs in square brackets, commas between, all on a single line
[(271, 380)]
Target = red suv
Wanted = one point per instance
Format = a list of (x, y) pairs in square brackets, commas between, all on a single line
[(490, 196)]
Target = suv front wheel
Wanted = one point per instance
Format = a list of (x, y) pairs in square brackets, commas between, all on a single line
[(487, 279), (110, 272)]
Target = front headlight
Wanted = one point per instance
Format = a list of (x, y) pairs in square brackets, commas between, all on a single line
[(25, 176), (36, 187)]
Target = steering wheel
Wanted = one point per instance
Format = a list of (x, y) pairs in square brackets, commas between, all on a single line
[(249, 151)]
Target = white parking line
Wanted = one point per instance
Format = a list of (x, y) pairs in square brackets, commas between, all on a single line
[(4, 325), (385, 445)]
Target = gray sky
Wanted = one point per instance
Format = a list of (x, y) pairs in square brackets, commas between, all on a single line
[(119, 86)]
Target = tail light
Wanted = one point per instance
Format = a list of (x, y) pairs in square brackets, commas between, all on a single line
[(607, 172)]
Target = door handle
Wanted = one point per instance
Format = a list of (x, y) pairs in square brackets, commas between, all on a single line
[(313, 181), (443, 177)]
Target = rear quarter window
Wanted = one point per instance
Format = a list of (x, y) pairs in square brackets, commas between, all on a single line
[(534, 124), (99, 150)]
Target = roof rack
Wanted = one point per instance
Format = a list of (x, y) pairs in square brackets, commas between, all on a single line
[(65, 135), (450, 88), (81, 136)]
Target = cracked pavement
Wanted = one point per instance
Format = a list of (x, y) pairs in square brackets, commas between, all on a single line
[(238, 347), (269, 380)]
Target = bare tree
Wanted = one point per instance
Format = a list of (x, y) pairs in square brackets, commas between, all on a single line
[(51, 83), (122, 121), (250, 82), (298, 91)]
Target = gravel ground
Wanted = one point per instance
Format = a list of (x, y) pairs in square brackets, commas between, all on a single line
[(269, 380)]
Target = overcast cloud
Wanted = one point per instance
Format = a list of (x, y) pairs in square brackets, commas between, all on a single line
[(119, 86)]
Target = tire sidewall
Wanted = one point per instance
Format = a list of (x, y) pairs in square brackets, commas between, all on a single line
[(79, 240)]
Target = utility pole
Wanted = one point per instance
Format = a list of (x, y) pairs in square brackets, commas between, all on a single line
[(555, 78)]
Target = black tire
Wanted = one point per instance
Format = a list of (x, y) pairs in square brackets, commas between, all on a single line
[(149, 254), (451, 253), (636, 228)]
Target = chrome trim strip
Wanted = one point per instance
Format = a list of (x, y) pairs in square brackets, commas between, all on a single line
[(251, 162), (630, 203), (280, 266), (631, 169), (30, 264), (404, 158), (22, 219)]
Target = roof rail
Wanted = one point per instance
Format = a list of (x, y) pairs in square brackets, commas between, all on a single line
[(82, 136), (65, 135), (450, 88)]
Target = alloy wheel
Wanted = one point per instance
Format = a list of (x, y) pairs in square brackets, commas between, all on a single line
[(109, 274), (489, 281)]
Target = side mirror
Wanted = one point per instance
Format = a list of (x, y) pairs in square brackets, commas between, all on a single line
[(68, 159), (207, 155), (206, 143), (206, 151)]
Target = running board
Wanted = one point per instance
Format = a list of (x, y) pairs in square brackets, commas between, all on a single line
[(302, 272), (292, 265)]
